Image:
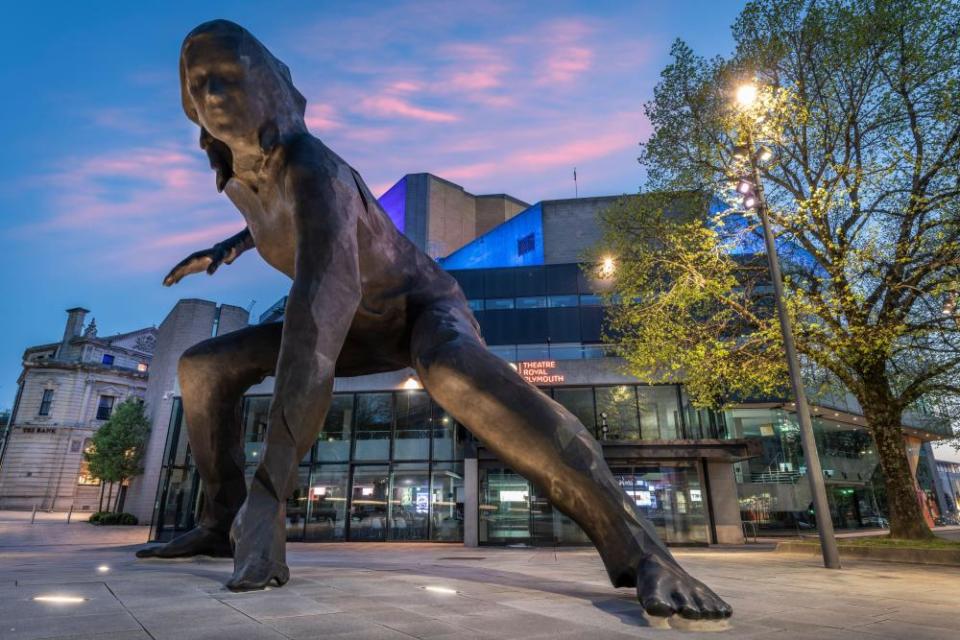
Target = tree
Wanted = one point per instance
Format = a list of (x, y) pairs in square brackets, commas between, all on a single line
[(116, 451), (859, 105)]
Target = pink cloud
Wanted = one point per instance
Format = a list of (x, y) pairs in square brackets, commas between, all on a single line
[(565, 64), (322, 117), (386, 106)]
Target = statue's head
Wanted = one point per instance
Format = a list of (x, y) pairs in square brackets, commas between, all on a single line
[(234, 88)]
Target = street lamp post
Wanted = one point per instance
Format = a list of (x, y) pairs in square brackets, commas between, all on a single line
[(828, 543)]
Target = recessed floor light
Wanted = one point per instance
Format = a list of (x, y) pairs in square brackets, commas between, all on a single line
[(441, 589), (103, 568), (56, 599)]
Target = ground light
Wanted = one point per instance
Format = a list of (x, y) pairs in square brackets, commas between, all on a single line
[(103, 568), (436, 589), (59, 599)]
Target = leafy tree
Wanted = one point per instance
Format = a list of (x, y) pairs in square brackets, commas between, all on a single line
[(116, 451), (858, 103)]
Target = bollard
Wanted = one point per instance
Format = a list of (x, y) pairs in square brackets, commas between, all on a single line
[(69, 514), (33, 516)]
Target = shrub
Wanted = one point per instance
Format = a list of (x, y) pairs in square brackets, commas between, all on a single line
[(109, 518)]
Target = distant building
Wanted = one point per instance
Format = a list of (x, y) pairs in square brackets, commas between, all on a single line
[(189, 322), (439, 216), (66, 391)]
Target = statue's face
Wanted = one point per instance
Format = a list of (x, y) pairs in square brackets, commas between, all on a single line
[(223, 90)]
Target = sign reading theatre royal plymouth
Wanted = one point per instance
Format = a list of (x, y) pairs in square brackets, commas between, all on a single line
[(540, 372)]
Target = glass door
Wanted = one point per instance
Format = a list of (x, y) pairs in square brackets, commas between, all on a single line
[(368, 503)]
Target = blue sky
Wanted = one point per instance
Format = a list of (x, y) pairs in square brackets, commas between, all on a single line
[(103, 187)]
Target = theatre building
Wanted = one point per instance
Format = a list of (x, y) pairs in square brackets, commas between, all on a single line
[(390, 464)]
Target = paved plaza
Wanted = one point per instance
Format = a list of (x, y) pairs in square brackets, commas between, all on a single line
[(442, 591)]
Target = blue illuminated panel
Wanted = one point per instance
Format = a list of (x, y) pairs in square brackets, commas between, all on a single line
[(518, 242), (394, 202)]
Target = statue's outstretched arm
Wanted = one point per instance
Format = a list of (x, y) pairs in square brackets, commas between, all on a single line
[(210, 259)]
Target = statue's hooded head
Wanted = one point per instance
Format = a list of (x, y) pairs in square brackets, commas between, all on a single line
[(236, 90)]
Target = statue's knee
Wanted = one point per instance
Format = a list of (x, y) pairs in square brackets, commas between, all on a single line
[(195, 363)]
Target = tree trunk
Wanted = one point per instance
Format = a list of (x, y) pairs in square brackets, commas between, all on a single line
[(904, 510), (110, 495), (102, 487), (121, 497)]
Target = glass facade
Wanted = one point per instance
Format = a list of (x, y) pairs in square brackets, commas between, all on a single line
[(388, 466), (774, 490), (669, 494)]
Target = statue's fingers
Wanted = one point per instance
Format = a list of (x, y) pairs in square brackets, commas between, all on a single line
[(212, 267)]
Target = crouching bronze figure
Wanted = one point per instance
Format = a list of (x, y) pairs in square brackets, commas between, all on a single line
[(364, 299)]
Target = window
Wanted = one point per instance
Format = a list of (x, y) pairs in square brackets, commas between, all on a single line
[(589, 300), (531, 302), (563, 301), (475, 305), (617, 411), (526, 244), (107, 359), (105, 407), (499, 303), (84, 478), (45, 402)]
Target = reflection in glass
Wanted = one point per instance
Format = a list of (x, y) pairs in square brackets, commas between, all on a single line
[(409, 508), (333, 443), (670, 496), (327, 511), (256, 410), (659, 409), (368, 503), (449, 437), (579, 402), (297, 506), (617, 410), (446, 502), (504, 507), (374, 418), (412, 439)]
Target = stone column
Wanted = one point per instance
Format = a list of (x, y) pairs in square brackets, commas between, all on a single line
[(725, 501), (471, 502)]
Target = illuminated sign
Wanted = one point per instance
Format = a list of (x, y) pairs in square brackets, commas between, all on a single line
[(540, 372)]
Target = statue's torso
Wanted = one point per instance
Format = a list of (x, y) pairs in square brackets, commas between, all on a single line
[(397, 280)]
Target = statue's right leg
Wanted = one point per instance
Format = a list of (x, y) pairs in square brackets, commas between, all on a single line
[(214, 375)]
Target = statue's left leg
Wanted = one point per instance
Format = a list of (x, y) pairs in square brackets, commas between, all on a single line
[(545, 443)]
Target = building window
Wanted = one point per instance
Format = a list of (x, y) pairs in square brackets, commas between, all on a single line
[(499, 303), (45, 402), (562, 301), (107, 359), (526, 244), (84, 478), (105, 407), (531, 302)]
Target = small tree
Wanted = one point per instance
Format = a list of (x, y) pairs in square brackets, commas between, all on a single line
[(859, 104), (116, 452)]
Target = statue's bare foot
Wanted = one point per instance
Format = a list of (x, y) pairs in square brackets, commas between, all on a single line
[(664, 588), (196, 542), (259, 539)]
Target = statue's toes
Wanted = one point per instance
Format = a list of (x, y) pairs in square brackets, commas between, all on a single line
[(258, 574)]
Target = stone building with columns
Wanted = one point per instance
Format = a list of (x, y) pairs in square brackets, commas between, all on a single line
[(67, 389)]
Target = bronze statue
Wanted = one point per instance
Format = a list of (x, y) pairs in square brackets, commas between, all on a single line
[(364, 299)]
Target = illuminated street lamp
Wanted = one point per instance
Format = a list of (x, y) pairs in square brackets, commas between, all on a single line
[(754, 199)]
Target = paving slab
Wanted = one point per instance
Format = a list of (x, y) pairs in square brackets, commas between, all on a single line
[(443, 591)]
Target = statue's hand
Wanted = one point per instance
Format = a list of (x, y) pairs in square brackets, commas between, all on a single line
[(206, 260)]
